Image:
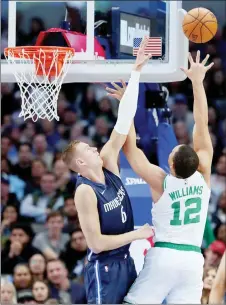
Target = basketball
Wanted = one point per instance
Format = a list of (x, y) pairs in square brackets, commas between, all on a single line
[(200, 25)]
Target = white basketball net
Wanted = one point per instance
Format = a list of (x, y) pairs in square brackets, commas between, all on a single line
[(39, 94)]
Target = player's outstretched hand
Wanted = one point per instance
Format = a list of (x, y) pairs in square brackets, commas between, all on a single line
[(118, 91), (197, 70), (142, 58), (145, 231)]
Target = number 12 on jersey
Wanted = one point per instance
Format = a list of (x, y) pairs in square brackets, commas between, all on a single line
[(191, 214)]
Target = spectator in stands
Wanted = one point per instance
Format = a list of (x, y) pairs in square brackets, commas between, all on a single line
[(10, 215), (221, 233), (22, 169), (36, 26), (5, 146), (40, 292), (71, 221), (37, 265), (64, 180), (181, 133), (219, 216), (53, 241), (105, 109), (217, 89), (69, 119), (28, 132), (180, 112), (38, 169), (89, 106), (40, 150), (16, 185), (38, 204), (18, 249), (22, 280), (208, 279), (102, 132), (214, 254), (218, 181), (8, 293), (61, 288), (6, 196), (77, 130), (75, 253), (51, 133), (8, 102)]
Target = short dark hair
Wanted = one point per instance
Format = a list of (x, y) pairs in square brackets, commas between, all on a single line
[(186, 162), (53, 214), (26, 227), (75, 230), (56, 260), (25, 144)]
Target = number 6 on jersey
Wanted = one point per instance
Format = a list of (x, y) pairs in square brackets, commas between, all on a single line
[(123, 215)]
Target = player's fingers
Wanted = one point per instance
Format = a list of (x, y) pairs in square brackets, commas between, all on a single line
[(144, 42), (209, 66), (198, 57), (190, 58), (116, 86), (114, 95), (123, 83), (149, 56), (111, 90), (205, 59), (184, 70)]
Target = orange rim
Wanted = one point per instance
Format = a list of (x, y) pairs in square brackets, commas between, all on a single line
[(35, 50)]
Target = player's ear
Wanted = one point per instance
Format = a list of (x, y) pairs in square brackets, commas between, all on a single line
[(79, 162)]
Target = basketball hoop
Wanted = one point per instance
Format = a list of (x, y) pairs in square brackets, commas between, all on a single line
[(40, 85)]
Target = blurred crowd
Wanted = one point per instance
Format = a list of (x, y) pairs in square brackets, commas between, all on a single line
[(43, 248)]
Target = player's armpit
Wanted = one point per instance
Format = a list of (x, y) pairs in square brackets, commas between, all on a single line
[(150, 173), (110, 152), (86, 204)]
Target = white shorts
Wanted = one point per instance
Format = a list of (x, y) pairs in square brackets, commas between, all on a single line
[(171, 275)]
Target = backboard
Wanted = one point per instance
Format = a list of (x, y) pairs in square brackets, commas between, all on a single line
[(114, 24)]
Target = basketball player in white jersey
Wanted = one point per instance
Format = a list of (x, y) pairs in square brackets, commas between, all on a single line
[(173, 269)]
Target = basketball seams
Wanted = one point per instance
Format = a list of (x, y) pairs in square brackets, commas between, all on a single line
[(190, 22), (198, 20), (197, 27), (204, 24), (198, 24)]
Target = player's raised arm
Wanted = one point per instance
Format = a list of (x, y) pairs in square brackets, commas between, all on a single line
[(86, 204), (219, 285), (152, 174), (126, 113), (201, 137)]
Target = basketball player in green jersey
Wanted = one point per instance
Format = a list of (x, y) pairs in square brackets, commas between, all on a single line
[(173, 269)]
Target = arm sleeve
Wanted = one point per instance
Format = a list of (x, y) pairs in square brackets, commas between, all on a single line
[(40, 243), (128, 105), (28, 209)]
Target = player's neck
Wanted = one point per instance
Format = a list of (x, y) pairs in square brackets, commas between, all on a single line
[(96, 175)]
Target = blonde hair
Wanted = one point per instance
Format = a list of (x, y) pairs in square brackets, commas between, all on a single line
[(67, 153), (5, 281)]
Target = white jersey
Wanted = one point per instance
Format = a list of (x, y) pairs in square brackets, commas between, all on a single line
[(179, 216)]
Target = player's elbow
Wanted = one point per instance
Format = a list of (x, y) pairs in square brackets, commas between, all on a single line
[(95, 245)]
